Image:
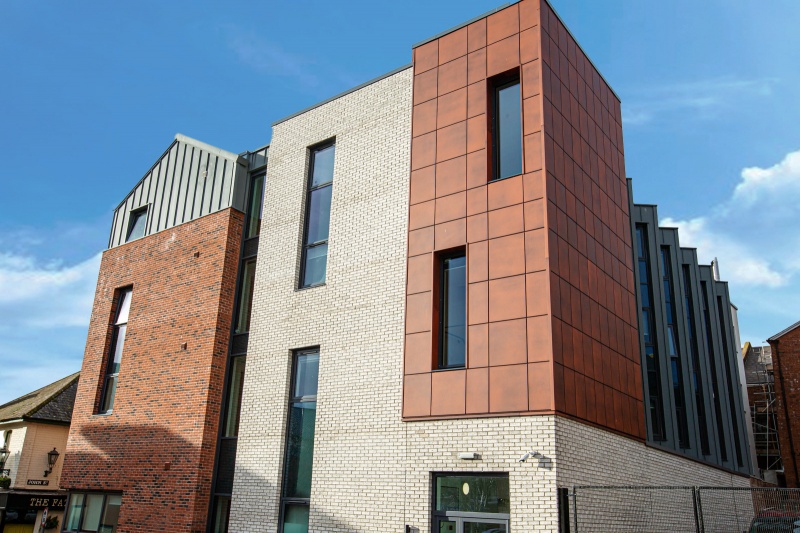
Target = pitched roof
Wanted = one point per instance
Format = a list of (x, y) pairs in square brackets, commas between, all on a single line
[(51, 403), (784, 332)]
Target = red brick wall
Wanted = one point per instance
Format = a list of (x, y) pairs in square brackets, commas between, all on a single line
[(157, 446), (786, 365), (551, 305)]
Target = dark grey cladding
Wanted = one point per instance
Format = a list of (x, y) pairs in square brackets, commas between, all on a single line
[(697, 374)]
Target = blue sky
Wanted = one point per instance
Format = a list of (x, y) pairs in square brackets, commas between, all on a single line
[(93, 92)]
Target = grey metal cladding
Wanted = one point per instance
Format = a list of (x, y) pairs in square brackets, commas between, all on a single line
[(191, 179), (715, 345)]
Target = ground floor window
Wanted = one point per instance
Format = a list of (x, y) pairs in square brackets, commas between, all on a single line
[(468, 503), (93, 512)]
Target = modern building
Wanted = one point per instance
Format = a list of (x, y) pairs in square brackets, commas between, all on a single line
[(34, 430), (785, 351), (432, 307)]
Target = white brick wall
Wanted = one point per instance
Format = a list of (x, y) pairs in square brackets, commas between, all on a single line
[(356, 318), (372, 472), (590, 456)]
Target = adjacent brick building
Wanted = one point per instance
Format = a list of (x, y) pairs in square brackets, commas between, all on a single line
[(785, 348)]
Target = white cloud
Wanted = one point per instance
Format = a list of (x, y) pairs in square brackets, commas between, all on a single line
[(755, 232), (698, 99), (268, 58), (779, 182), (46, 295)]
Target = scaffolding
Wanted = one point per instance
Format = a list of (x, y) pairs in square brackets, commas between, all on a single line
[(763, 410)]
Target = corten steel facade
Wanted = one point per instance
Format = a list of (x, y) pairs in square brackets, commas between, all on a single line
[(786, 365), (551, 305), (346, 419)]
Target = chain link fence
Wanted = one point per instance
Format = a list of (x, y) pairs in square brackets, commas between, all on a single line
[(643, 509)]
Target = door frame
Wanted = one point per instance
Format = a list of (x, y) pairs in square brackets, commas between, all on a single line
[(461, 518)]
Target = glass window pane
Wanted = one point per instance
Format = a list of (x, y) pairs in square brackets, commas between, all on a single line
[(300, 449), (226, 465), (234, 406), (322, 166), (671, 337), (306, 375), (484, 527), (73, 520), (124, 307), (473, 494), (316, 265), (136, 225), (640, 240), (255, 207), (446, 526), (246, 297), (111, 513), (110, 392), (92, 512), (454, 312), (646, 325), (119, 343), (295, 518), (509, 131), (222, 511), (319, 215)]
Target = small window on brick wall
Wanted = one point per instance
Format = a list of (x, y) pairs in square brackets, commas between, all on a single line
[(452, 309), (120, 327), (505, 111)]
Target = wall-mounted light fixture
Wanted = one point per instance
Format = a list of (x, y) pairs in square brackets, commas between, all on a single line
[(3, 456), (52, 457), (529, 455)]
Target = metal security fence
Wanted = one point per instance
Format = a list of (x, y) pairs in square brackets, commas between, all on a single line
[(643, 509)]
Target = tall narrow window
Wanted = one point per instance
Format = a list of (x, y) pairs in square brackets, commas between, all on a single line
[(696, 380), (712, 363), (137, 224), (453, 311), (246, 297), (254, 209), (674, 350), (318, 215), (507, 127), (299, 453), (120, 326), (723, 312), (656, 406)]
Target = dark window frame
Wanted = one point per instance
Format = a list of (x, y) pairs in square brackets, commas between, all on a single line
[(293, 399), (439, 313), (673, 342), (133, 217), (699, 389), (652, 365), (310, 189), (496, 84), (460, 516), (85, 493), (112, 349), (260, 177)]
